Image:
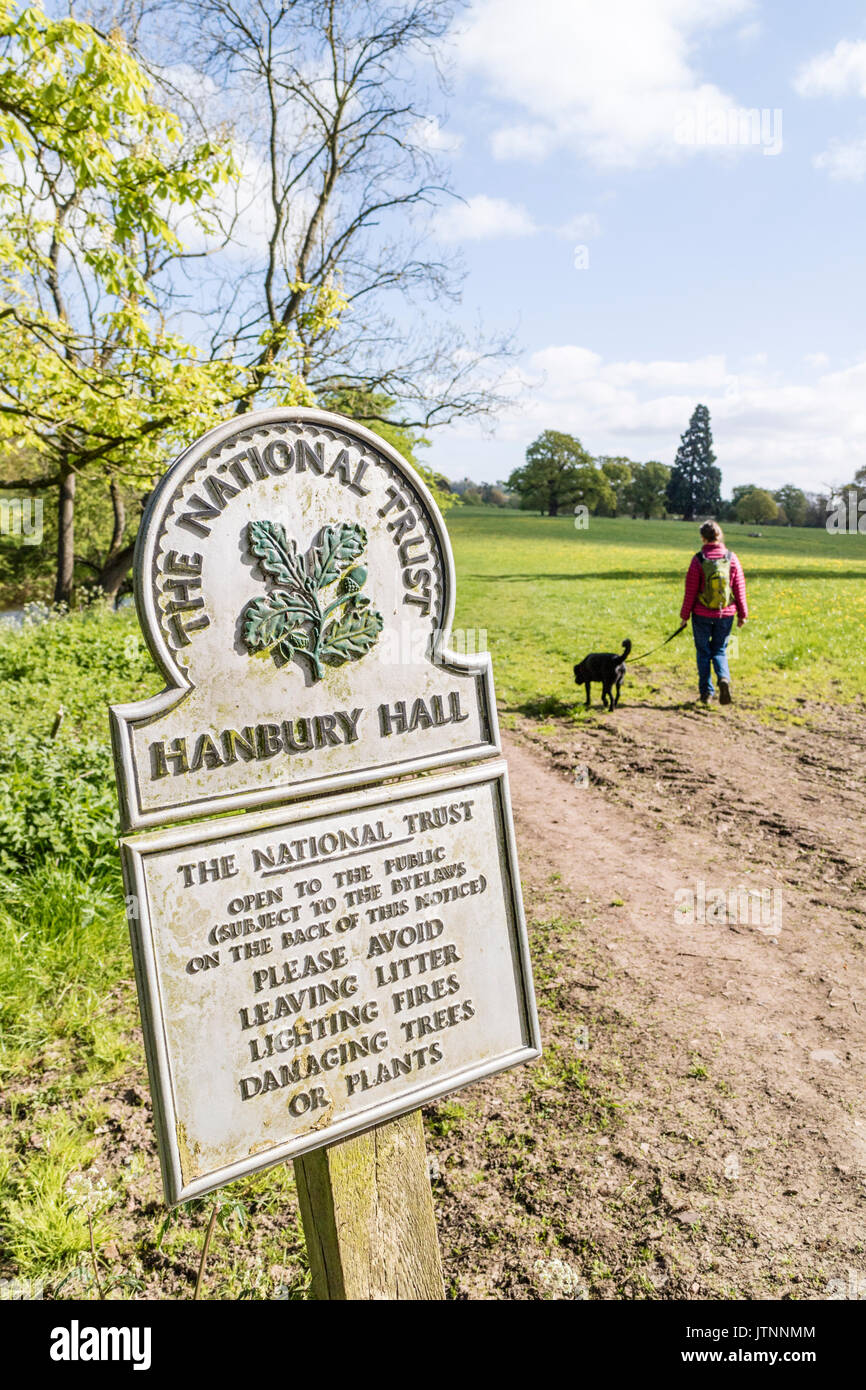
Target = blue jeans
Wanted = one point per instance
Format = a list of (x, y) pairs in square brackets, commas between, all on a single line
[(711, 641)]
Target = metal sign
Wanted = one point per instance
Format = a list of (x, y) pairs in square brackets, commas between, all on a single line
[(307, 975), (311, 970), (295, 585)]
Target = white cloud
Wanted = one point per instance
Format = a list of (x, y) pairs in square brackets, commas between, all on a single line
[(530, 142), (816, 359), (606, 81), (430, 136), (841, 72), (480, 218), (750, 32), (845, 160), (562, 366), (582, 227), (197, 88), (766, 427)]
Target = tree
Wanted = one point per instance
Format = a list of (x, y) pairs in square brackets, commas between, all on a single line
[(493, 496), (618, 472), (795, 504), (820, 506), (558, 473), (756, 505), (648, 488), (94, 381), (695, 483), (375, 410), (343, 165), (596, 492), (138, 343)]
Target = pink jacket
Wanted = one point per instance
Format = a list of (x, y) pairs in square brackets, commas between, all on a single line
[(694, 580)]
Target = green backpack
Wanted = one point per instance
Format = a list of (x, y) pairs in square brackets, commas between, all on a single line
[(716, 591)]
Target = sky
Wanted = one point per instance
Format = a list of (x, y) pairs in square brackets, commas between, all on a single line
[(650, 243)]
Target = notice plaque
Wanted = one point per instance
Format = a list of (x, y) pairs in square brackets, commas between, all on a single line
[(349, 943), (306, 974), (295, 585)]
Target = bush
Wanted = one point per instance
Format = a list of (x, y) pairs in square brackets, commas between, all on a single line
[(57, 801), (57, 794)]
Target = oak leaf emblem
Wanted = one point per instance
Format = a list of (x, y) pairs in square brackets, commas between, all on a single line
[(295, 619)]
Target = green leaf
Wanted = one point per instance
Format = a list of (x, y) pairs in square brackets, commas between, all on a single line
[(350, 636), (292, 643), (335, 550), (268, 620), (278, 554)]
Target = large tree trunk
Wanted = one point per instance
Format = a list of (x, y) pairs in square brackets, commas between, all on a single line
[(115, 570), (118, 561), (118, 509), (65, 537)]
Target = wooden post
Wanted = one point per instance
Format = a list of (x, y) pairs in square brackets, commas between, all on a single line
[(367, 1209)]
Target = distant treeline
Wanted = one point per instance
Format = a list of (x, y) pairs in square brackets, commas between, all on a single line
[(559, 475), (640, 495), (473, 494)]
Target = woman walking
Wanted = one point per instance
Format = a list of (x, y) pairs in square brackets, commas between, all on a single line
[(715, 595)]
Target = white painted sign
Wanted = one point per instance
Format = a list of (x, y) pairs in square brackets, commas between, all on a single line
[(309, 971), (307, 975), (295, 584)]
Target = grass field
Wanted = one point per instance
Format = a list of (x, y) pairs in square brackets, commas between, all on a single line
[(545, 593)]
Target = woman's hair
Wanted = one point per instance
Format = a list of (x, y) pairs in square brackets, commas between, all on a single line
[(712, 531)]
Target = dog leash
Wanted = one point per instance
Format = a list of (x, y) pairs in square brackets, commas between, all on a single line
[(660, 645)]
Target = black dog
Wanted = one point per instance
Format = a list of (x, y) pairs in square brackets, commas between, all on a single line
[(607, 667)]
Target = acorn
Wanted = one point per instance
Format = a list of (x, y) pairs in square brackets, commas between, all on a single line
[(353, 580)]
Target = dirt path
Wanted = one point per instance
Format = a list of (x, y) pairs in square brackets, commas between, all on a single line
[(697, 1127)]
